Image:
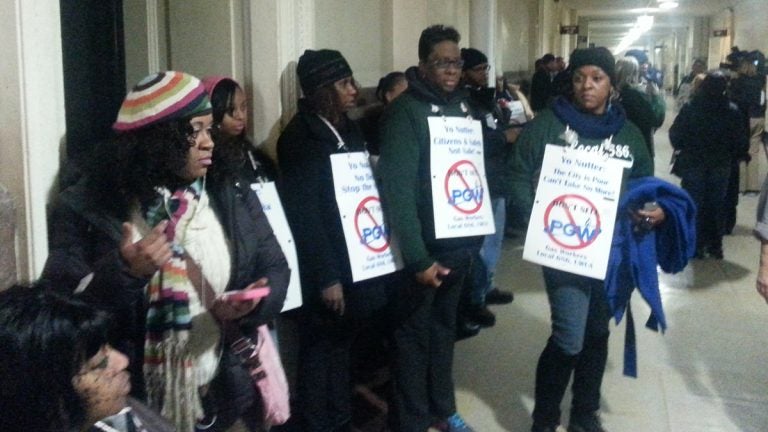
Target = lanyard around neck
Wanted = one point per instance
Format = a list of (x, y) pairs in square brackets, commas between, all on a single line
[(340, 145)]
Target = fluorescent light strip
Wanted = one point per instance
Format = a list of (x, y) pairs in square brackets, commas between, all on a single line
[(642, 25)]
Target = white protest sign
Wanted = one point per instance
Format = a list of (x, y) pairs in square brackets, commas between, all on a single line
[(372, 250), (460, 201), (273, 209), (574, 212)]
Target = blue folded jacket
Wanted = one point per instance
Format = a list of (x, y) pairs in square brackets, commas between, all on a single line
[(635, 253)]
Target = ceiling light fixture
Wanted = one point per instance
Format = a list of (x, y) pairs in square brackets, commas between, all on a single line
[(642, 25), (668, 4)]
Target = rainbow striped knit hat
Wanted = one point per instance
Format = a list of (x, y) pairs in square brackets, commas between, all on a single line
[(161, 97)]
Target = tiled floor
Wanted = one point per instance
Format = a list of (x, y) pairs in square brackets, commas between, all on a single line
[(708, 372)]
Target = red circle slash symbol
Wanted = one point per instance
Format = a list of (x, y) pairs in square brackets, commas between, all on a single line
[(461, 194), (572, 221), (373, 235)]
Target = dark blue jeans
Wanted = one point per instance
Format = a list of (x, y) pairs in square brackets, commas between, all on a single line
[(578, 347)]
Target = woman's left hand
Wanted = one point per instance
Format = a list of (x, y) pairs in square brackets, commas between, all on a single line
[(227, 310), (650, 218)]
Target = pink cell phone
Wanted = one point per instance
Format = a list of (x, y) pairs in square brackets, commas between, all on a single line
[(246, 294)]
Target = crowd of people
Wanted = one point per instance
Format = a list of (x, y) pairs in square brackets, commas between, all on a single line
[(163, 257), (717, 138)]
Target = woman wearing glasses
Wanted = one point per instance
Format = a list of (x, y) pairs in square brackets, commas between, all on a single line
[(57, 371), (146, 237)]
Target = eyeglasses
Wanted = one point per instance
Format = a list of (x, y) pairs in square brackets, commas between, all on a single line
[(445, 64), (481, 68)]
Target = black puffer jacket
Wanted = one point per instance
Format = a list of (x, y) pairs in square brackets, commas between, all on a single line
[(84, 239)]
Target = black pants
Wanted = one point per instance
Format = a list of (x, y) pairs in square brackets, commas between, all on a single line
[(325, 342), (708, 187), (423, 347)]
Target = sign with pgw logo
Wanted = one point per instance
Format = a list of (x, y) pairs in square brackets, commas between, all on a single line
[(460, 200), (371, 248), (574, 211)]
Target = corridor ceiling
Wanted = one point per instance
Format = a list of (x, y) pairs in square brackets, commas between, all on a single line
[(610, 20)]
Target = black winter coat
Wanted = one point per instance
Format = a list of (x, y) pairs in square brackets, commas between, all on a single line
[(306, 188), (84, 239), (708, 133)]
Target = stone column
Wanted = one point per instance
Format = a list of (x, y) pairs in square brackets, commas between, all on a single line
[(7, 239)]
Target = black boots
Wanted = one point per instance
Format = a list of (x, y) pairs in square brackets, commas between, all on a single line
[(588, 376), (553, 373)]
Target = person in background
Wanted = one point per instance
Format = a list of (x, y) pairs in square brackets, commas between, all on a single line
[(390, 87), (709, 134), (58, 372), (637, 108), (498, 138), (335, 307), (146, 236), (684, 91), (648, 73), (542, 90), (424, 393), (561, 82), (578, 345), (560, 64), (648, 86), (234, 152), (748, 93), (761, 232)]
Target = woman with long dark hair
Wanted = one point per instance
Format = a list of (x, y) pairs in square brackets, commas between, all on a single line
[(234, 152), (147, 236), (334, 305)]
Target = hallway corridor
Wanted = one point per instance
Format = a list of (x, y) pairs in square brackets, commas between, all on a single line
[(707, 373)]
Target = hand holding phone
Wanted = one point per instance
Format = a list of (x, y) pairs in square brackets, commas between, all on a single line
[(246, 294)]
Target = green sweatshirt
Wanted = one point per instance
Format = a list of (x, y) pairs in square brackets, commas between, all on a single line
[(545, 129)]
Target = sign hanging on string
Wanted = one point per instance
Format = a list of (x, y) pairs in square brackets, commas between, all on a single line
[(273, 209), (372, 249), (574, 211), (460, 201)]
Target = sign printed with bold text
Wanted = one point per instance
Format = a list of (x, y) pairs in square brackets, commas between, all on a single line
[(270, 202), (460, 201), (372, 250), (574, 212)]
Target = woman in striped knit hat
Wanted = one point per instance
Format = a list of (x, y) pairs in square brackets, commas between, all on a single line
[(144, 236)]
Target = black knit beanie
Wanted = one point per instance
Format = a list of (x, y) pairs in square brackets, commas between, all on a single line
[(472, 58), (319, 68), (599, 57)]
